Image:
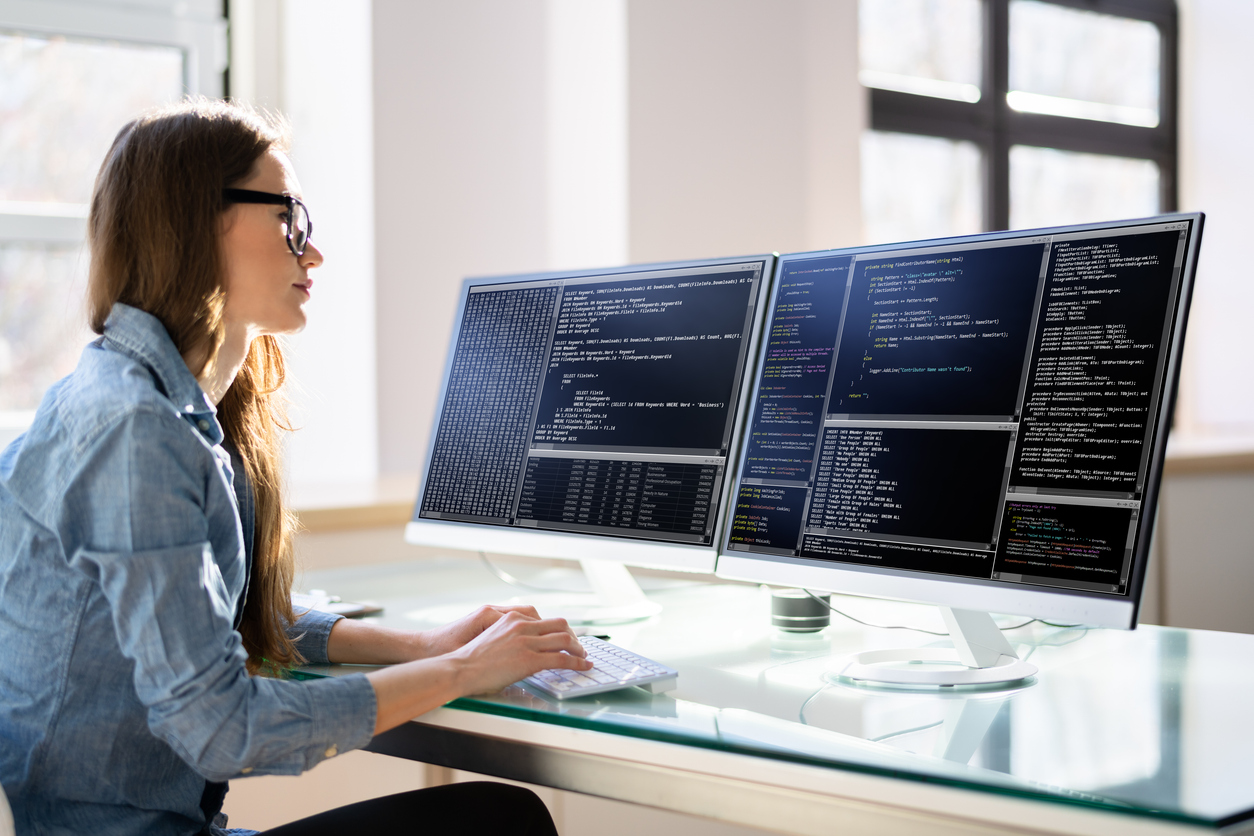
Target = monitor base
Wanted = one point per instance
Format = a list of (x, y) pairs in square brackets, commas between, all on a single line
[(929, 667), (981, 656), (615, 598)]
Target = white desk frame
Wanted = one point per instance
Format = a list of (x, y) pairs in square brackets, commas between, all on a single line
[(739, 789)]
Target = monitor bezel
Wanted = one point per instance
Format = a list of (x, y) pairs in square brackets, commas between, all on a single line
[(532, 542), (1053, 603)]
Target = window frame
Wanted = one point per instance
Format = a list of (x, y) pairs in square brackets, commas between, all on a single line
[(199, 31), (994, 127), (197, 28)]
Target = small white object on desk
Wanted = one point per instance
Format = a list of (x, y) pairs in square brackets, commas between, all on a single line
[(318, 599), (612, 668)]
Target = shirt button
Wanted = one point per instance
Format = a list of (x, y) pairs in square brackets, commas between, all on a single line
[(203, 424), (246, 770), (332, 751), (189, 408)]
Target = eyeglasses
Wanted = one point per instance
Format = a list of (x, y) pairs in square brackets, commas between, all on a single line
[(299, 227)]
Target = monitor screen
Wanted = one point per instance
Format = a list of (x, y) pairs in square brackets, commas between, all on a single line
[(604, 404), (952, 420)]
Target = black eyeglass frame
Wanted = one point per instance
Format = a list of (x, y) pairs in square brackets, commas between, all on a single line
[(269, 198)]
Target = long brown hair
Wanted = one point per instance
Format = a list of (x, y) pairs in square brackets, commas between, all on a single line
[(155, 236)]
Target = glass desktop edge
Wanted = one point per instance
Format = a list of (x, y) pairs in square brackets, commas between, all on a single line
[(604, 724), (601, 723)]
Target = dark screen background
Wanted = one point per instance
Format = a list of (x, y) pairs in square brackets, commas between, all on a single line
[(645, 363), (937, 334)]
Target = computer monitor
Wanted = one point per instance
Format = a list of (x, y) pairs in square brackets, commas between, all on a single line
[(976, 422), (591, 415)]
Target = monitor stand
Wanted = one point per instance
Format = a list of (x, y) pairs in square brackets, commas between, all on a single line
[(615, 598), (980, 656), (966, 724)]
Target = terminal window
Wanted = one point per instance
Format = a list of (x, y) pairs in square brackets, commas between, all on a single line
[(983, 410), (602, 404)]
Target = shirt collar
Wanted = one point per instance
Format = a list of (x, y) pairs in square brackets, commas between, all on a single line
[(141, 336)]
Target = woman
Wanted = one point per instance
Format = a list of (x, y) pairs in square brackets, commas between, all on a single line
[(145, 553)]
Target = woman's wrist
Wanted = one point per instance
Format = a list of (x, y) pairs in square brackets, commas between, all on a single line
[(410, 690), (415, 644)]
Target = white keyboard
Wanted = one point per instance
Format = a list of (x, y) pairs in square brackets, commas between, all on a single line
[(612, 668)]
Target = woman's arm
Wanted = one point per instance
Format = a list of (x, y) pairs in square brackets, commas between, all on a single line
[(513, 645), (356, 642), (365, 643)]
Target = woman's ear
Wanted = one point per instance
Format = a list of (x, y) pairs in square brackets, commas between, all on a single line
[(226, 220)]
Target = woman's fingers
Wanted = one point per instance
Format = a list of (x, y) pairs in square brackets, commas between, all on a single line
[(492, 613), (517, 645), (554, 625), (565, 660), (481, 618), (534, 626), (522, 609), (558, 641)]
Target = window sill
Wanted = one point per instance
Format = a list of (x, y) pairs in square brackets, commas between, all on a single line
[(1205, 456), (387, 501)]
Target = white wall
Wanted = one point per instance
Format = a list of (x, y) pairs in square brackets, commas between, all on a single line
[(1217, 177), (461, 164), (312, 61), (514, 136), (327, 80), (586, 103), (745, 118), (1206, 533)]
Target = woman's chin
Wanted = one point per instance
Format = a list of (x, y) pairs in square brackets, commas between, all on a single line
[(293, 323)]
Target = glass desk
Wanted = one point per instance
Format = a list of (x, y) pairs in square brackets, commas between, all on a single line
[(1144, 731)]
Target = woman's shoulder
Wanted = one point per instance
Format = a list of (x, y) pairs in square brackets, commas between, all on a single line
[(107, 391), (105, 414)]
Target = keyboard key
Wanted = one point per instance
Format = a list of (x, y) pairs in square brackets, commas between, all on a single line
[(613, 668)]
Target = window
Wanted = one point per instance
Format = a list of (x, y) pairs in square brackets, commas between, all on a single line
[(64, 93), (1007, 114)]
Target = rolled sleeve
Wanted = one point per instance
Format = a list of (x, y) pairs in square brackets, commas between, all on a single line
[(326, 717), (311, 632), (344, 713)]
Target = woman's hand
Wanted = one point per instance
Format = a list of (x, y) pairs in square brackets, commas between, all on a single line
[(505, 644), (453, 635), (516, 644), (365, 643)]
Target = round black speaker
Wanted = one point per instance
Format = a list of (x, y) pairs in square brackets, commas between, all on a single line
[(796, 611)]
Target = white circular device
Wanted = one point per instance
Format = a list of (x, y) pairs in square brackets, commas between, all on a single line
[(911, 668)]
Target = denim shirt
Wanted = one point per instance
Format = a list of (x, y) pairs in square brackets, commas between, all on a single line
[(123, 562)]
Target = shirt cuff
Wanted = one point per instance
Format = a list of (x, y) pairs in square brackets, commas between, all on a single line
[(311, 632), (345, 710)]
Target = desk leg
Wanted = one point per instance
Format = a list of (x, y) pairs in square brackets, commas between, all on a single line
[(437, 776)]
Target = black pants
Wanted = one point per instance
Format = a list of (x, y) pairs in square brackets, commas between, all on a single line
[(481, 807)]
